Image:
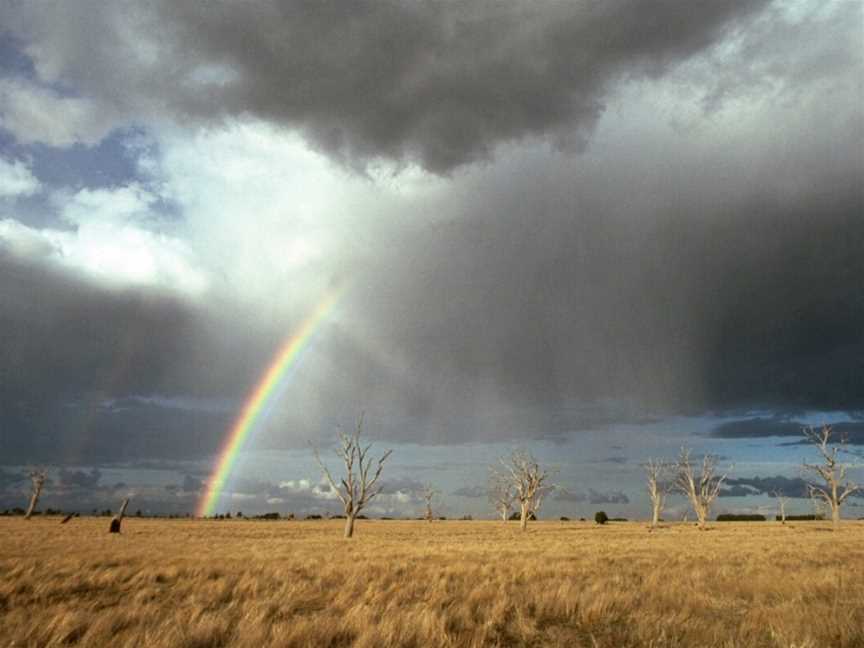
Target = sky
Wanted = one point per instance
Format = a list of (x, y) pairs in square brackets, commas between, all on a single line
[(597, 231)]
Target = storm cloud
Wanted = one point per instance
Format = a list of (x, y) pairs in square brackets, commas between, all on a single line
[(688, 244), (439, 85), (787, 486), (848, 432), (592, 496)]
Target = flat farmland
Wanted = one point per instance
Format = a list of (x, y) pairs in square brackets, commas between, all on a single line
[(203, 584)]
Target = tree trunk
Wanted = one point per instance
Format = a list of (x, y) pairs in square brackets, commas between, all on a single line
[(504, 514), (428, 513), (655, 518), (523, 521), (702, 514), (835, 516), (349, 526), (34, 498)]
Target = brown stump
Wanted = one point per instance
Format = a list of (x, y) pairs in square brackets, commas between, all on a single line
[(118, 519)]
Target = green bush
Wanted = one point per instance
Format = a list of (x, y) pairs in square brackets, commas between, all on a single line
[(600, 517)]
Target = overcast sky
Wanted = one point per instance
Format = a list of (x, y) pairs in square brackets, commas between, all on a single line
[(596, 229)]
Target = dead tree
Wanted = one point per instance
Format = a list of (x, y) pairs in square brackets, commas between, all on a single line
[(429, 494), (117, 520), (781, 504), (702, 488), (37, 481), (357, 488), (836, 488), (501, 493), (657, 473), (529, 482)]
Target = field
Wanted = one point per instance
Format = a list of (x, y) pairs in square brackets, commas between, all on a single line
[(202, 584)]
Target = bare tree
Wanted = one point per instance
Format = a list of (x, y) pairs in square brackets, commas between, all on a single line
[(37, 482), (702, 488), (658, 474), (529, 481), (429, 494), (357, 488), (117, 520), (500, 492), (781, 504), (837, 488)]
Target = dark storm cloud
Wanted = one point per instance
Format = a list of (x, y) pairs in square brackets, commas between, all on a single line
[(192, 484), (11, 478), (81, 479), (71, 350), (548, 295), (592, 496), (757, 427), (470, 491), (851, 432), (441, 84), (787, 486), (751, 301), (615, 460), (402, 484)]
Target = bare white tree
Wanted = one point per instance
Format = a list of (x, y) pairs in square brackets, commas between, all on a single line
[(37, 482), (117, 520), (658, 473), (782, 500), (836, 488), (500, 492), (358, 487), (429, 494), (529, 481), (700, 488)]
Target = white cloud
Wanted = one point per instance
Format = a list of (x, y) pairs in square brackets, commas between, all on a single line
[(116, 205), (116, 241), (36, 114), (273, 217), (321, 490), (16, 179), (296, 484)]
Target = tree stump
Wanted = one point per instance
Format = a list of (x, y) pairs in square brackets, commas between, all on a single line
[(118, 519)]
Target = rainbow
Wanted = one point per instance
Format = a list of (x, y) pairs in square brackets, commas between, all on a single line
[(257, 404)]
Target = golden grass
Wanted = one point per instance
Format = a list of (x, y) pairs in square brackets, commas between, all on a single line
[(201, 584)]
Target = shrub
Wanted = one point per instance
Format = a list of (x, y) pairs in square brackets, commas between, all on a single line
[(564, 518), (600, 517), (740, 517)]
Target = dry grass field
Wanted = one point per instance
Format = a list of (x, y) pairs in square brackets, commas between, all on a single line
[(202, 584)]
